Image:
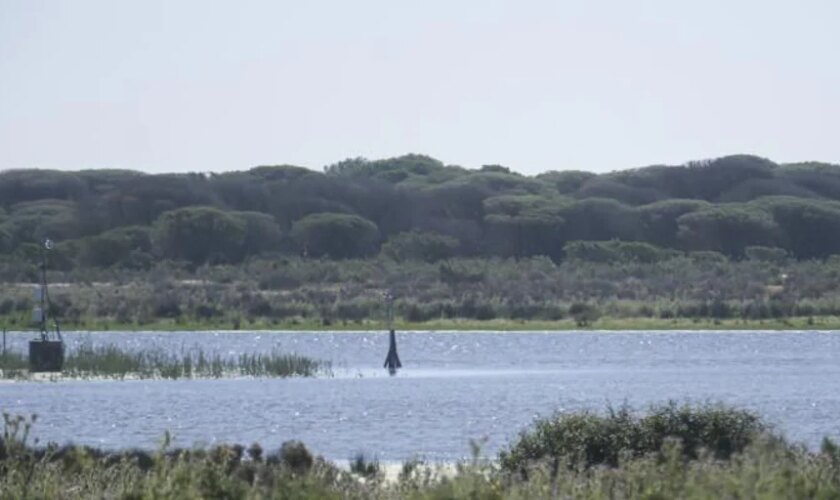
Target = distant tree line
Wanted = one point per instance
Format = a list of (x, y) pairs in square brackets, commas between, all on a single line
[(416, 208)]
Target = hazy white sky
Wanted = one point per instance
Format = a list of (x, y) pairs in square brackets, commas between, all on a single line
[(534, 85)]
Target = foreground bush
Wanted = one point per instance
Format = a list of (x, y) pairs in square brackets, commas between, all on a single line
[(765, 468), (587, 439)]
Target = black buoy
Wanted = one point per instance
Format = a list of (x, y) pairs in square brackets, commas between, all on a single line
[(392, 360), (46, 354)]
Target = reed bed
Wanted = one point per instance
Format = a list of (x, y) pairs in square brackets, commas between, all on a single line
[(12, 365), (111, 361)]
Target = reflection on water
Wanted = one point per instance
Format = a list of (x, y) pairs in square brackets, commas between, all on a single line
[(454, 387)]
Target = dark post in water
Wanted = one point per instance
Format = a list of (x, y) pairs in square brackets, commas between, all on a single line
[(392, 361)]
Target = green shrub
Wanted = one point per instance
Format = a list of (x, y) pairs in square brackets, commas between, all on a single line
[(587, 439), (295, 456), (768, 468), (419, 245), (584, 314), (363, 467), (766, 254)]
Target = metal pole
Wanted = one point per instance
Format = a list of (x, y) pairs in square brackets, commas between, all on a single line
[(45, 295), (389, 311), (44, 301), (4, 341)]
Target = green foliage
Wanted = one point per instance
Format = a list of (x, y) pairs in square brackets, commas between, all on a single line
[(600, 219), (262, 234), (707, 256), (295, 456), (810, 228), (729, 229), (6, 238), (33, 221), (198, 234), (523, 225), (335, 235), (420, 245), (591, 251), (495, 182), (117, 246), (704, 180), (393, 170), (766, 254), (615, 251), (604, 187), (18, 186), (588, 439), (110, 361), (722, 205), (363, 467), (584, 314), (567, 181), (767, 467), (674, 290), (752, 189), (658, 221)]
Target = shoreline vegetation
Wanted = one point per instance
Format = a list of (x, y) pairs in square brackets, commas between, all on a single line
[(667, 451), (809, 323), (737, 242), (682, 292), (110, 361)]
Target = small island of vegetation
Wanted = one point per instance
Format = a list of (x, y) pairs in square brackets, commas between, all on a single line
[(112, 362)]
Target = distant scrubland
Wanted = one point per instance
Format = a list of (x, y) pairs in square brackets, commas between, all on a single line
[(734, 241), (695, 290)]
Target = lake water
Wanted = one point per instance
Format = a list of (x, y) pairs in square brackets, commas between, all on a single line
[(453, 387)]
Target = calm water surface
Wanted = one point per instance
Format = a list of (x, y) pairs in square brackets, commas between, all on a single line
[(453, 387)]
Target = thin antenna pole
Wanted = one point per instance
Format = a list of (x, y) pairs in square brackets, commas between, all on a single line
[(389, 311), (44, 292)]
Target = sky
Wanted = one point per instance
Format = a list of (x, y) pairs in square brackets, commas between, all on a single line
[(600, 85)]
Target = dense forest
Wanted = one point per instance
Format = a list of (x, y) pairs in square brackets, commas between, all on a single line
[(416, 208)]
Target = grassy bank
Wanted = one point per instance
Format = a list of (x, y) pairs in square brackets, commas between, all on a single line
[(502, 294), (109, 361), (605, 323), (670, 452)]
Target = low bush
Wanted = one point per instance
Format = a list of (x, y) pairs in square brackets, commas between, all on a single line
[(364, 467), (587, 439), (767, 467)]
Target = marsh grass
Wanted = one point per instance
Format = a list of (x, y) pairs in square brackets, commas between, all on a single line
[(12, 365), (462, 293), (364, 466), (110, 361)]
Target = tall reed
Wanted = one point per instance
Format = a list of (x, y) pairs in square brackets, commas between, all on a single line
[(110, 361)]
